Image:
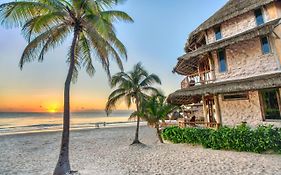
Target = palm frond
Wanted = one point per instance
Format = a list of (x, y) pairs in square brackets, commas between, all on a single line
[(150, 79), (38, 47), (99, 46), (149, 90), (14, 14), (40, 24), (86, 57), (136, 114), (112, 102), (117, 45), (121, 79), (57, 5), (114, 15), (107, 3)]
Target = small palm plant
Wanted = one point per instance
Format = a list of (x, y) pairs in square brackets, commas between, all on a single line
[(47, 23), (154, 110), (133, 87)]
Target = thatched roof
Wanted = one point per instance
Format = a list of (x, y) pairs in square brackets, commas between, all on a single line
[(187, 96), (231, 9), (186, 62)]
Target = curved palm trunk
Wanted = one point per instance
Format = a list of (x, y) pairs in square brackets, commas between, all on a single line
[(63, 165), (136, 140), (159, 133)]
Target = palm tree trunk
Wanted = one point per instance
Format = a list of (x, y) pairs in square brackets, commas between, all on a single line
[(159, 133), (63, 165), (136, 140)]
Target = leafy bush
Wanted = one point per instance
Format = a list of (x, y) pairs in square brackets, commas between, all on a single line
[(240, 138)]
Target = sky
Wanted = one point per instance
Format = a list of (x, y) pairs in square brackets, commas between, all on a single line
[(156, 38)]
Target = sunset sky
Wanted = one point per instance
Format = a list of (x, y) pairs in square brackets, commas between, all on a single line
[(156, 39)]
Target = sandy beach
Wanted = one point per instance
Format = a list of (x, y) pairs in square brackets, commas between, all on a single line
[(107, 151)]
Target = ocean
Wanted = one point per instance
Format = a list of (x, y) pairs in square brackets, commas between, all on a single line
[(29, 122)]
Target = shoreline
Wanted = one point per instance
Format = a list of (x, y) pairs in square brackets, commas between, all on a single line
[(75, 129)]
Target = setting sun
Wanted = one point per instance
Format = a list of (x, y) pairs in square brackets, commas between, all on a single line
[(53, 108)]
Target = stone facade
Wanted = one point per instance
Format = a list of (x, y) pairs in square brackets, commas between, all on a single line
[(245, 22), (245, 59), (234, 26), (236, 111)]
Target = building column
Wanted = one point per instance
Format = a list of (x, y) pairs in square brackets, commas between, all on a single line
[(206, 121), (217, 111), (274, 41), (212, 67)]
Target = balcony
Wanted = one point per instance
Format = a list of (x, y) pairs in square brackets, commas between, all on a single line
[(204, 77)]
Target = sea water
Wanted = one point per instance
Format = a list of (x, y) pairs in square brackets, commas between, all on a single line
[(15, 122)]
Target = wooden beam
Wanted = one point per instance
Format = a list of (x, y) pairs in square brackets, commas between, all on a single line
[(217, 111), (205, 109), (261, 105), (212, 66)]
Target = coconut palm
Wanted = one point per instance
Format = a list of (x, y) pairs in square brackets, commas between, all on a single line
[(47, 23), (133, 87), (154, 110)]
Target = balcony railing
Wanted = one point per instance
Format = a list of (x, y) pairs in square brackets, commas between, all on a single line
[(204, 77)]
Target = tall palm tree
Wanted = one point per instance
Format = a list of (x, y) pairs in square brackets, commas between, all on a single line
[(154, 110), (47, 23), (132, 87)]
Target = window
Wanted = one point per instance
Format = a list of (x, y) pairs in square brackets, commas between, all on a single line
[(265, 46), (222, 60), (271, 104), (259, 17), (236, 96), (218, 33)]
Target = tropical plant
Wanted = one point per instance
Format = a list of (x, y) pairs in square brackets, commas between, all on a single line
[(154, 110), (132, 87), (47, 23), (240, 138)]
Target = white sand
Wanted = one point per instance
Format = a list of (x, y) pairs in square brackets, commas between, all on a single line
[(107, 152)]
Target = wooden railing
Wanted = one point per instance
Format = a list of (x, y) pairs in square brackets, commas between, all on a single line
[(184, 124), (204, 77)]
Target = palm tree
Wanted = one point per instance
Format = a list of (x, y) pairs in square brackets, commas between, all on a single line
[(47, 23), (154, 110), (133, 86)]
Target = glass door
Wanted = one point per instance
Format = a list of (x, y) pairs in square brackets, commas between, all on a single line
[(271, 103)]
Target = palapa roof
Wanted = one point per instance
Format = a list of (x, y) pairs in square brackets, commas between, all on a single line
[(194, 94), (231, 9), (186, 62)]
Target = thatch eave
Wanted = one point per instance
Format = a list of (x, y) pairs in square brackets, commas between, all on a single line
[(231, 86)]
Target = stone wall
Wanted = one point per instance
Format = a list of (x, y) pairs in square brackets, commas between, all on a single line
[(245, 59), (245, 22), (234, 112), (234, 26)]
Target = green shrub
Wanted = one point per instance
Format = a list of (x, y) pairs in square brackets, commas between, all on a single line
[(240, 138)]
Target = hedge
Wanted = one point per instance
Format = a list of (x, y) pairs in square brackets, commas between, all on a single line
[(239, 138)]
